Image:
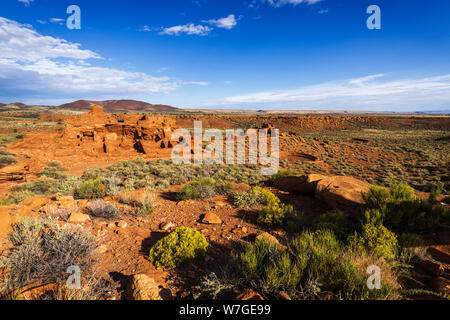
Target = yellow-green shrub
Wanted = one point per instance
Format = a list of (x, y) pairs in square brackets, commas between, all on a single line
[(93, 189), (181, 245), (255, 198), (377, 240), (275, 212)]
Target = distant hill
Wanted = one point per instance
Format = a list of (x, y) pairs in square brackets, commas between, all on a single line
[(14, 105), (118, 106)]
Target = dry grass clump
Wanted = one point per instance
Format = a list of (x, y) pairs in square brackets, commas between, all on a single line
[(42, 252)]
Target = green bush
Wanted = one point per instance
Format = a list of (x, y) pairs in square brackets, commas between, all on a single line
[(204, 188), (336, 221), (255, 198), (315, 265), (399, 209), (275, 213), (377, 240), (181, 245), (93, 189), (270, 268)]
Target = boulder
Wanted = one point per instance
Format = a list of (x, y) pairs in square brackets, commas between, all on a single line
[(142, 287), (78, 217), (268, 237), (305, 184), (342, 193), (211, 218), (249, 294)]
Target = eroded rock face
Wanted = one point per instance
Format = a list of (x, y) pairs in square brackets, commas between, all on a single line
[(101, 132)]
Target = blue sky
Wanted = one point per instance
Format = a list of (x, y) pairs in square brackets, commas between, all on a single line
[(252, 54)]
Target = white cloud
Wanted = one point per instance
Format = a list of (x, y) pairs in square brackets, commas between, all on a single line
[(189, 29), (364, 93), (36, 65), (21, 43), (197, 83), (26, 2), (163, 69), (225, 23), (323, 11), (56, 20), (281, 3)]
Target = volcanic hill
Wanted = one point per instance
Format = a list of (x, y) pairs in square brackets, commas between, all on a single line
[(113, 106)]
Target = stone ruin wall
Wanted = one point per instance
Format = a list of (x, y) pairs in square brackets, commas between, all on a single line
[(115, 133)]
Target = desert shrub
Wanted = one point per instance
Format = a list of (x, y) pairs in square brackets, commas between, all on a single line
[(183, 173), (103, 209), (204, 188), (143, 203), (256, 197), (94, 174), (181, 245), (146, 210), (377, 240), (436, 192), (211, 286), (264, 265), (54, 170), (63, 185), (112, 183), (412, 247), (336, 221), (134, 174), (275, 212), (93, 189), (6, 160), (401, 210), (18, 197), (62, 213), (315, 265), (42, 251)]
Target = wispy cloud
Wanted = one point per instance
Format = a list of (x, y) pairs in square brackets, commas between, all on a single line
[(369, 92), (26, 2), (189, 29), (36, 65), (57, 20), (281, 3), (226, 23)]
